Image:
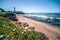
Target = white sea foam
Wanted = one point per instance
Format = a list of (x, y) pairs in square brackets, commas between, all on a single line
[(34, 15)]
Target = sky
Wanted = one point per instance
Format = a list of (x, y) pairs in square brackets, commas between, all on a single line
[(31, 6)]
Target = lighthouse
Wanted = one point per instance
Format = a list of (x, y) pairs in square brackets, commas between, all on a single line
[(14, 9)]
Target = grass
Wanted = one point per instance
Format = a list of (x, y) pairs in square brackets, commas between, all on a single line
[(4, 13), (5, 27)]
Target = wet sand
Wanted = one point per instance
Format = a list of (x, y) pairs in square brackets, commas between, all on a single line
[(53, 33)]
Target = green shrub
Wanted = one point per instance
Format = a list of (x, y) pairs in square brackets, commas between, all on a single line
[(33, 35), (3, 14)]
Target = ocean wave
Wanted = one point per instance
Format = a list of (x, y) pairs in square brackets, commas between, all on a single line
[(33, 15)]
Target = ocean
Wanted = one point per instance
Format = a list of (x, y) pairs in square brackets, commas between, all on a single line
[(43, 15), (51, 18)]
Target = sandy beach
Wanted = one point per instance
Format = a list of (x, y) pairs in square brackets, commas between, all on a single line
[(53, 33)]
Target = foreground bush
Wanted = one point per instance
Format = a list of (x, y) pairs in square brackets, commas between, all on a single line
[(33, 35), (9, 31)]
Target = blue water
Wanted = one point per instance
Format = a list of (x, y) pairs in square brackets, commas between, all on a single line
[(43, 15)]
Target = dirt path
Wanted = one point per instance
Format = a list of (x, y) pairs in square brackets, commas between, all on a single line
[(51, 32)]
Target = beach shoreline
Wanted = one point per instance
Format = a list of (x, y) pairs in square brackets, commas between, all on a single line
[(51, 32), (46, 21)]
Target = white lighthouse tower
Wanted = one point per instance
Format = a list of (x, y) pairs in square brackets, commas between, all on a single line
[(14, 9)]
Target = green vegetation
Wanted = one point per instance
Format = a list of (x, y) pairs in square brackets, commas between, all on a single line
[(5, 27), (9, 31), (33, 35), (4, 13)]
